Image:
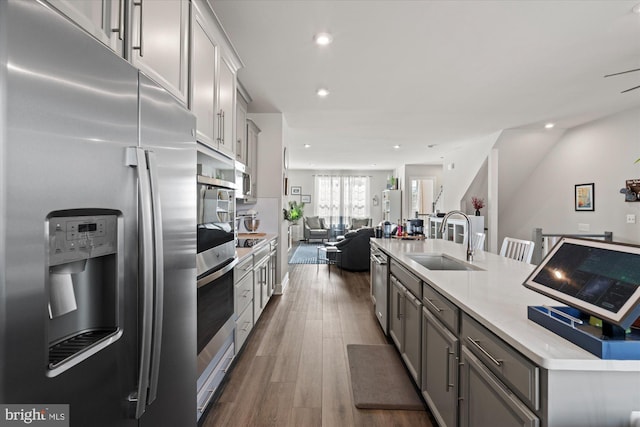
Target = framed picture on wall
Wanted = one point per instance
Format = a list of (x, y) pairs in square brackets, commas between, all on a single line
[(305, 198), (296, 191), (584, 195)]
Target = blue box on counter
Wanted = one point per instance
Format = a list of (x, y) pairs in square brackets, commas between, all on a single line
[(585, 336)]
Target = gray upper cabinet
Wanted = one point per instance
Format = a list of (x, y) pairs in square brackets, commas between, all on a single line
[(152, 35), (214, 66), (241, 129), (203, 78), (103, 19), (226, 107), (160, 42)]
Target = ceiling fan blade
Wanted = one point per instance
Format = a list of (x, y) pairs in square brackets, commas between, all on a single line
[(630, 89), (622, 72)]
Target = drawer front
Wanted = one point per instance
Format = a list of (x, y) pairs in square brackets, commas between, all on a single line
[(242, 269), (243, 294), (261, 254), (443, 309), (244, 324), (518, 372), (410, 281)]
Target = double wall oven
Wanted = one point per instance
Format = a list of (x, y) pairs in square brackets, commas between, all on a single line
[(216, 258)]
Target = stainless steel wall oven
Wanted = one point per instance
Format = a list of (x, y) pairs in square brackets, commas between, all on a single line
[(215, 260)]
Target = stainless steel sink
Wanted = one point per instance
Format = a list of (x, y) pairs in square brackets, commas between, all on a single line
[(442, 262)]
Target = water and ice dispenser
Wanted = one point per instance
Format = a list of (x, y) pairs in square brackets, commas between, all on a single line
[(83, 285)]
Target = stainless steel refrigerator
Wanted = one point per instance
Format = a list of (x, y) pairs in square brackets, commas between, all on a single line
[(97, 231)]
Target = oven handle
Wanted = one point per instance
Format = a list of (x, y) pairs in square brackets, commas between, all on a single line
[(217, 274)]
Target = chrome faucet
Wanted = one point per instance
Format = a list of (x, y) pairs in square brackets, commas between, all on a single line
[(444, 223)]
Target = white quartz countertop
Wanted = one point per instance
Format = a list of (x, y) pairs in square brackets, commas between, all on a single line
[(497, 298), (243, 253)]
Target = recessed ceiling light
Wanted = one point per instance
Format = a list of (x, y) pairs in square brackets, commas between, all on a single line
[(636, 9), (396, 146), (322, 92), (323, 39), (307, 145), (549, 125)]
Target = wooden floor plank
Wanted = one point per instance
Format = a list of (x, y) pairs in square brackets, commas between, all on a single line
[(307, 417), (308, 392), (275, 407), (337, 399), (293, 370)]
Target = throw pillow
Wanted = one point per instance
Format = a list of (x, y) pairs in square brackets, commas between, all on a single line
[(313, 222)]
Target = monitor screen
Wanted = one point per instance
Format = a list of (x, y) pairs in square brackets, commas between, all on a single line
[(596, 277)]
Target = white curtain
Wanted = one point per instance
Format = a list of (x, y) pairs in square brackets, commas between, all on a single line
[(340, 198)]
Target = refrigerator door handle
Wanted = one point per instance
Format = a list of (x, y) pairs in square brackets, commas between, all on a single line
[(158, 276), (136, 157)]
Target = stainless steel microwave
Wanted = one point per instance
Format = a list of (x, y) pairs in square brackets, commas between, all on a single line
[(243, 182)]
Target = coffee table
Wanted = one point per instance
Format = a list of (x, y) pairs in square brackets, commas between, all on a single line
[(336, 259)]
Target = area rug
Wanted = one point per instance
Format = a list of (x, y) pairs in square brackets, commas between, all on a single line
[(379, 380), (305, 253)]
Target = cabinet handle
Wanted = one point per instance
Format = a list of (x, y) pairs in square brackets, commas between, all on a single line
[(246, 326), (398, 306), (449, 354), (140, 47), (202, 408), (120, 19), (485, 352), (223, 126), (431, 303)]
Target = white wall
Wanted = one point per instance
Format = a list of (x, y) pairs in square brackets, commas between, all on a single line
[(271, 143), (602, 152), (305, 178), (467, 161)]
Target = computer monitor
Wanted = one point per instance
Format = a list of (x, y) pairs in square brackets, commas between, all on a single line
[(596, 277)]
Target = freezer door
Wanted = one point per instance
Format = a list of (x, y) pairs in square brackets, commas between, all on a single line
[(167, 134), (68, 110)]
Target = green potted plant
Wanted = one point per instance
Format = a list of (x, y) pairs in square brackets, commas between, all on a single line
[(294, 213)]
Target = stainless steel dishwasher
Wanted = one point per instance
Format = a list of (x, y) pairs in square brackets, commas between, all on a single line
[(380, 286)]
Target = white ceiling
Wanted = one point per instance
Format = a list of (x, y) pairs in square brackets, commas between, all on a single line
[(419, 73)]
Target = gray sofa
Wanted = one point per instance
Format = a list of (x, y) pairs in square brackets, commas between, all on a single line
[(315, 228), (355, 249)]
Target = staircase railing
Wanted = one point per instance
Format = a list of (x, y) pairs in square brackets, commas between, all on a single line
[(545, 241)]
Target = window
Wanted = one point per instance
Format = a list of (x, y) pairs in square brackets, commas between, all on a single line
[(341, 198)]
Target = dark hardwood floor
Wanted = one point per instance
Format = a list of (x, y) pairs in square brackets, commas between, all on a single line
[(293, 370)]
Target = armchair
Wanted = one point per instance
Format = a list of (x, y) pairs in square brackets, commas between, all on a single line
[(315, 228), (355, 248), (357, 223)]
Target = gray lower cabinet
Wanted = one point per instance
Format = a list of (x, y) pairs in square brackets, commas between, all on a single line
[(273, 267), (405, 326), (440, 370), (260, 281), (485, 401), (243, 301), (412, 349), (396, 303)]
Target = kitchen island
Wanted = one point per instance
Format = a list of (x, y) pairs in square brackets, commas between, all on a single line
[(506, 362)]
